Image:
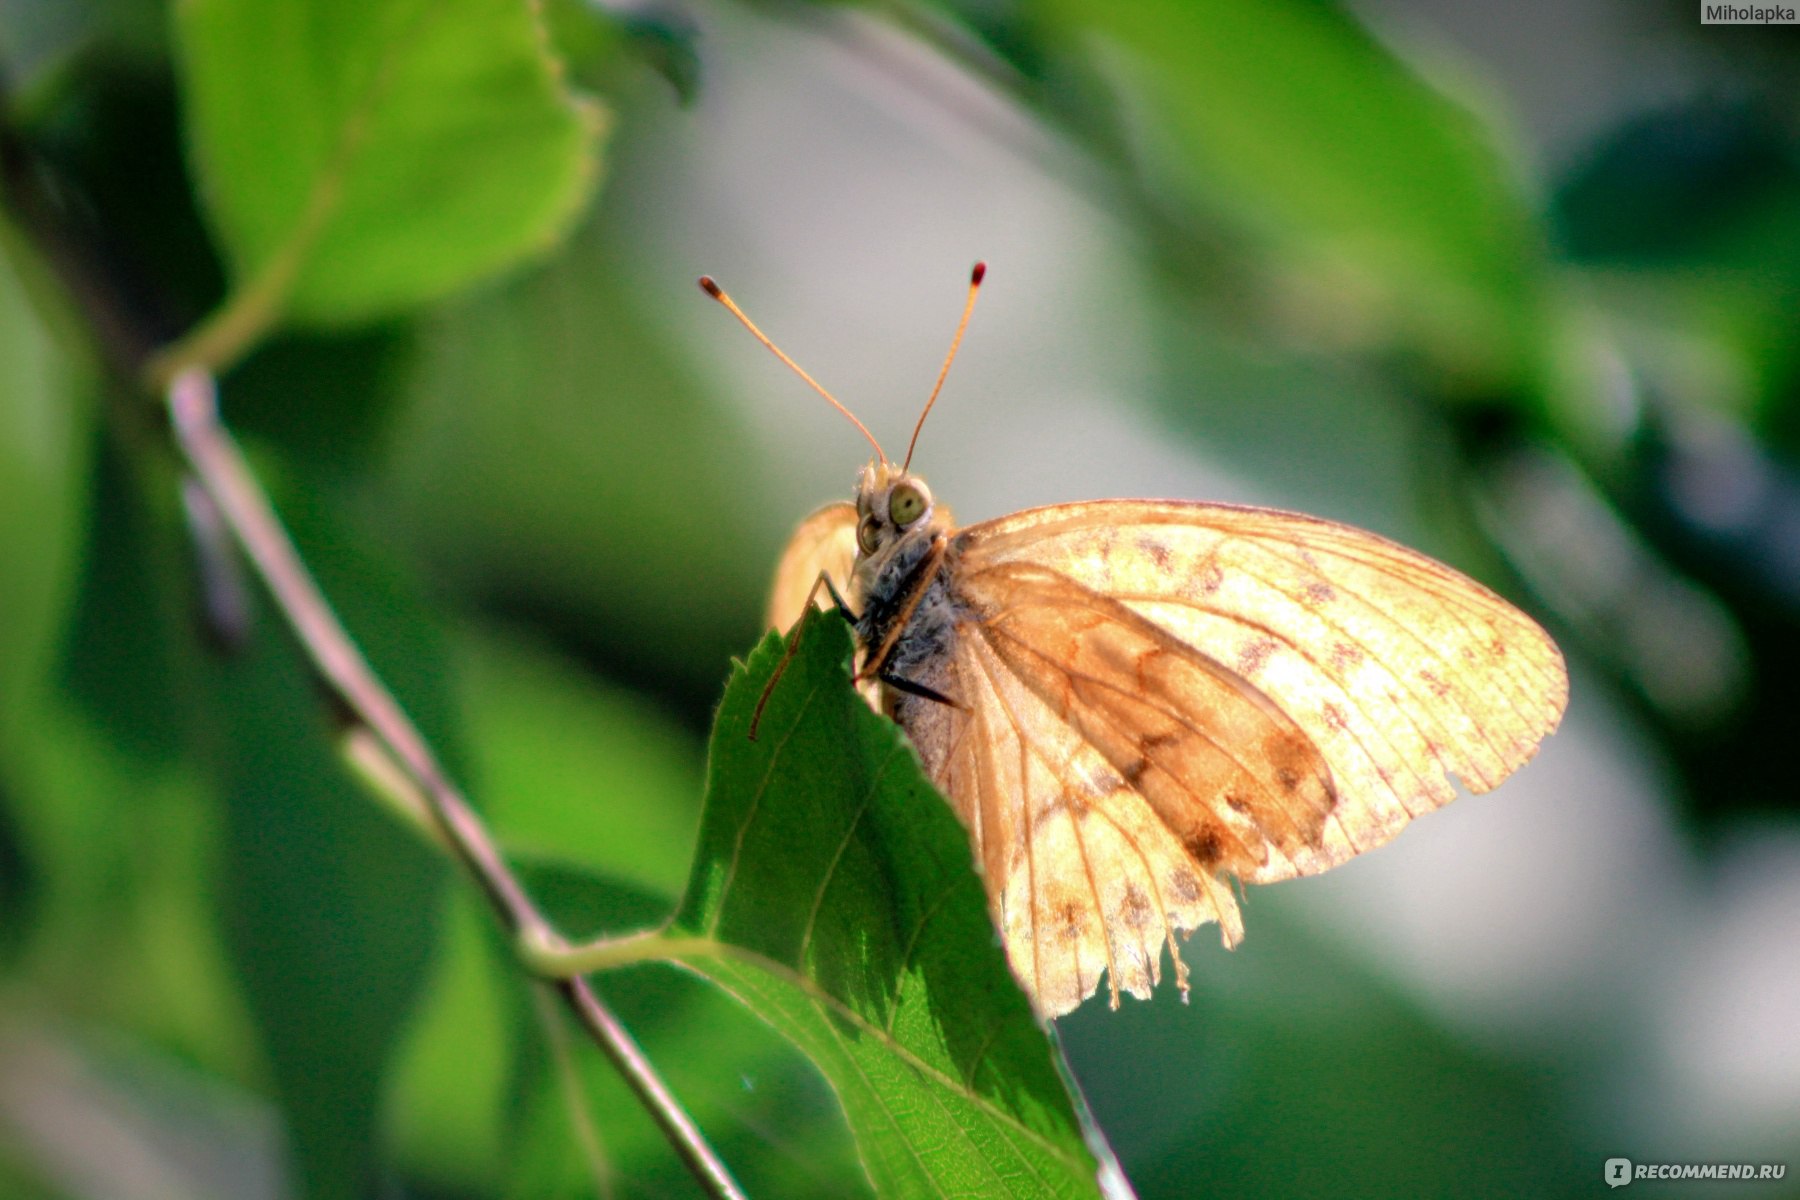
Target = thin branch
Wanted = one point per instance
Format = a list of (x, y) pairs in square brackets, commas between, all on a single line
[(219, 465), (222, 471)]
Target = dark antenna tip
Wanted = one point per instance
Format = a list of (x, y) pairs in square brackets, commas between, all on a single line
[(975, 278), (709, 287)]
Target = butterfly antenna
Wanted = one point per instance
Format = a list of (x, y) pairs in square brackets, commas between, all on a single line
[(718, 293), (975, 278)]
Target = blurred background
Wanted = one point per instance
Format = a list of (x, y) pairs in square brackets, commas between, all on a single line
[(1516, 285)]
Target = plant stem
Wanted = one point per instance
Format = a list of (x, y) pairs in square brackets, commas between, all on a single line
[(560, 960), (227, 335)]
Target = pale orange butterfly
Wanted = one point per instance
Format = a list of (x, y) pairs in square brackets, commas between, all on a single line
[(1126, 701)]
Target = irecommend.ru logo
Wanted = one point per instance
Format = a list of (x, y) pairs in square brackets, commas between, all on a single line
[(1620, 1171)]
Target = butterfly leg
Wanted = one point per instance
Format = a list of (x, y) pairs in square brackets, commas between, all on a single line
[(837, 599), (917, 689), (793, 643)]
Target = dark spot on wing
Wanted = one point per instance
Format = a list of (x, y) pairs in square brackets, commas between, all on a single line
[(1290, 759), (1134, 771), (1254, 654), (1345, 655), (1438, 687), (1211, 578), (1159, 553), (1142, 662), (1105, 781), (1183, 887), (1137, 906), (1318, 593), (1205, 844), (1236, 803)]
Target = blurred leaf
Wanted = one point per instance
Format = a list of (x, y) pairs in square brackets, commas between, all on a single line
[(1688, 220), (560, 459), (666, 43), (597, 40), (477, 1099), (331, 907), (762, 1105), (449, 1090), (1297, 1071), (326, 398), (361, 157), (44, 456), (833, 893), (109, 811), (124, 663), (568, 770), (1666, 185), (112, 134), (124, 930), (328, 909), (37, 37), (1386, 214)]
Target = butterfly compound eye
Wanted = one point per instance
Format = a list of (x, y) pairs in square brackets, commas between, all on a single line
[(905, 505)]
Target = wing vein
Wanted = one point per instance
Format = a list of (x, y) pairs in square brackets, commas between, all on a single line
[(1174, 714)]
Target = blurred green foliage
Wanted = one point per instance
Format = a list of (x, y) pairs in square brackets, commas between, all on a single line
[(536, 508)]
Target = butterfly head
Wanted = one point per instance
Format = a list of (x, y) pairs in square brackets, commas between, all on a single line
[(893, 507)]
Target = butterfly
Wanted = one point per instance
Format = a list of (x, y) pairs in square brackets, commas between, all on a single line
[(1130, 703)]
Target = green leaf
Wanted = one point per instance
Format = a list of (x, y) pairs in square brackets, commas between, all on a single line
[(833, 893), (572, 771), (361, 156), (44, 459), (1384, 211), (448, 1088), (331, 906)]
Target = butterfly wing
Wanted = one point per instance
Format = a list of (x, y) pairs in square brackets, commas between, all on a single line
[(1151, 695), (824, 543), (1397, 670)]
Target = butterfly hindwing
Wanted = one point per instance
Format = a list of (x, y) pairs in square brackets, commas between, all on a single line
[(1083, 874), (824, 543)]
